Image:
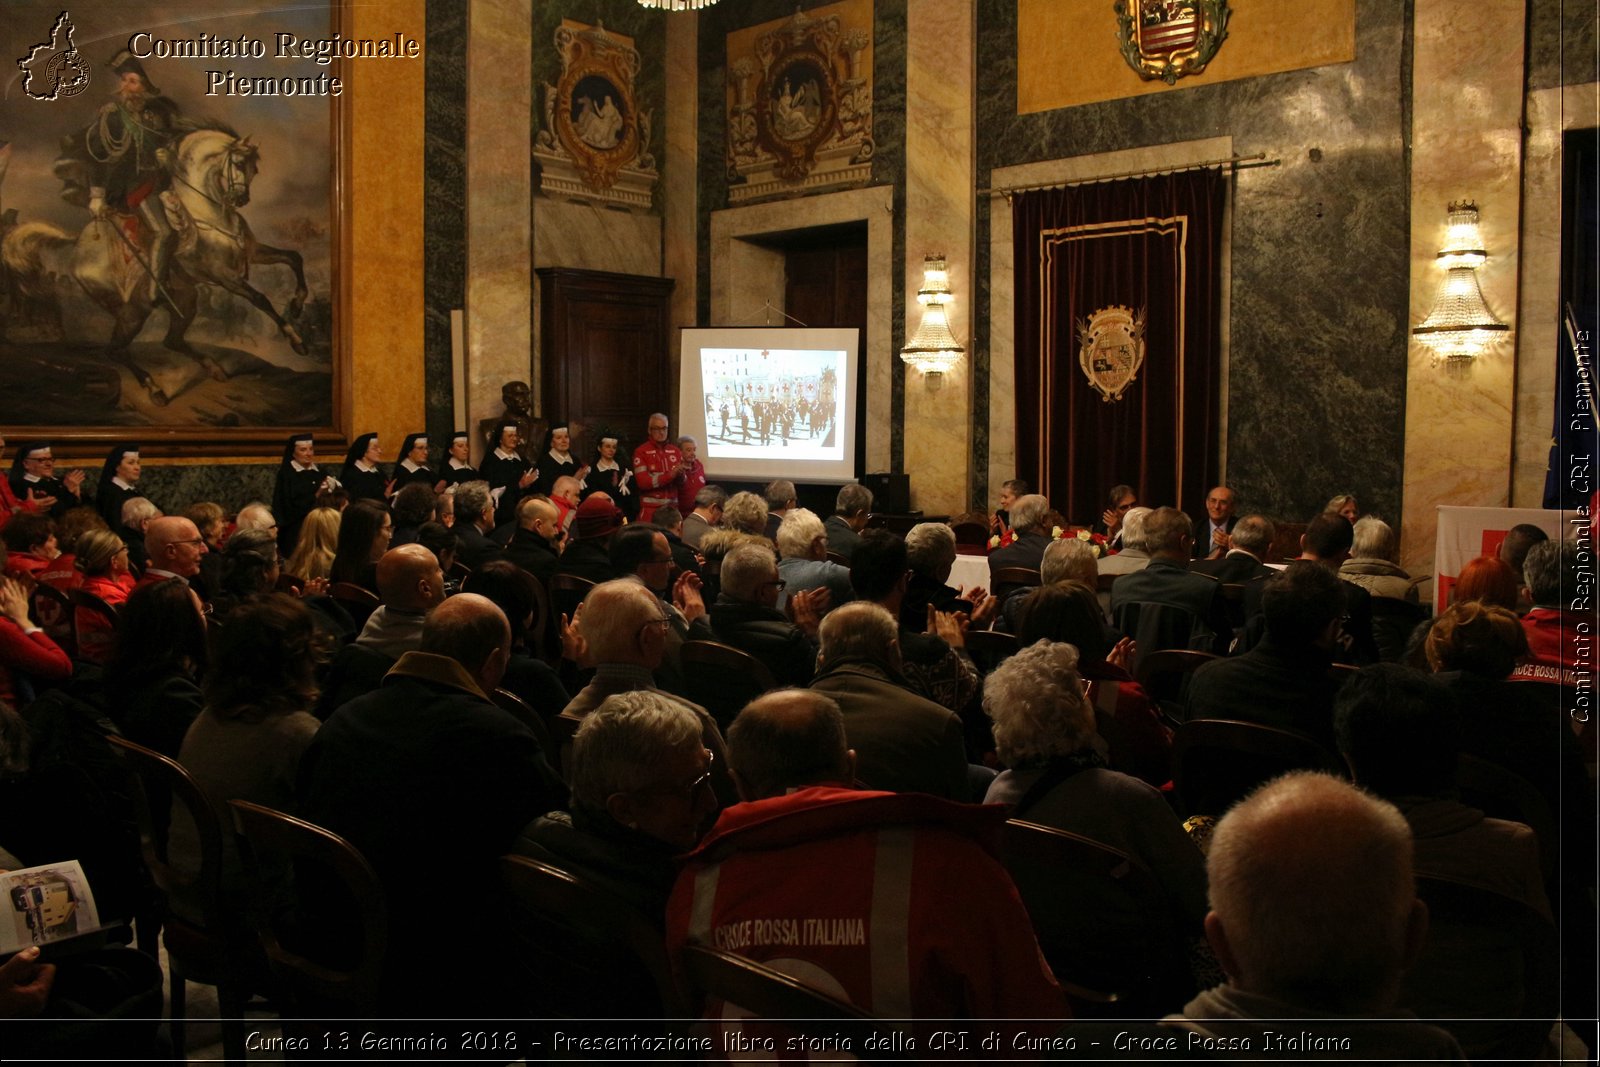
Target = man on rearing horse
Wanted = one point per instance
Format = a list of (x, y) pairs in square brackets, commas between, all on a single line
[(130, 147)]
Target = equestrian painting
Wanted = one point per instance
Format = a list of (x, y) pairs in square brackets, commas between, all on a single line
[(168, 257)]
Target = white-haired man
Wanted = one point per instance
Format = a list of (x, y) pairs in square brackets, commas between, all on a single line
[(803, 561), (1314, 917), (1134, 556), (1027, 522)]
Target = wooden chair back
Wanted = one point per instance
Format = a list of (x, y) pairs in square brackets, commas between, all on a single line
[(723, 679), (1007, 580), (159, 776), (1217, 762), (989, 648), (766, 993), (1489, 971), (566, 593), (1102, 919), (1164, 676), (316, 986), (1504, 794), (584, 947), (509, 701)]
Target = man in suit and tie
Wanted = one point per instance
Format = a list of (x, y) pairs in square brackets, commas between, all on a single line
[(1211, 532), (1246, 559)]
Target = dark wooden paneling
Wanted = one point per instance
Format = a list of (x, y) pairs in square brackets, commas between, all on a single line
[(606, 350)]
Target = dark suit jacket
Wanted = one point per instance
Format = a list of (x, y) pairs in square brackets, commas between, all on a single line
[(1169, 582), (476, 547), (841, 538), (766, 633), (1025, 551), (1236, 566), (1272, 685), (1202, 532), (903, 742), (533, 554)]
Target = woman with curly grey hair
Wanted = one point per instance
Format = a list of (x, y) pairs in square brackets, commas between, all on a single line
[(1044, 731)]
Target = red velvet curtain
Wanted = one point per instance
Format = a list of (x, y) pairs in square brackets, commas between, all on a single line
[(1150, 247)]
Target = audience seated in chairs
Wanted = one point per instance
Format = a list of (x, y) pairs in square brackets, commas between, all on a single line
[(256, 726), (1165, 605), (63, 572), (535, 545), (1126, 719), (31, 546), (475, 512), (102, 560), (931, 555), (410, 584), (427, 776), (365, 529), (1066, 560), (27, 655), (807, 846), (641, 794), (745, 615), (137, 515), (935, 663), (511, 588), (1555, 631), (1133, 556), (151, 684), (1032, 536), (904, 742), (1315, 918), (1371, 564), (319, 543), (851, 510), (1397, 729), (175, 548), (803, 561), (1044, 731), (1284, 681), (1246, 558)]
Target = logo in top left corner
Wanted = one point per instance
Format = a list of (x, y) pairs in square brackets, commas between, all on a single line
[(54, 69)]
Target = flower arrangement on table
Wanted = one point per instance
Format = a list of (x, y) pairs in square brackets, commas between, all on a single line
[(1095, 541)]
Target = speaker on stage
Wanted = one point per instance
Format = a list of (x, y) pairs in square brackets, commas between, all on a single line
[(891, 493)]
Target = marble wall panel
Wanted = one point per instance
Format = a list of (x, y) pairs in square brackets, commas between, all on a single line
[(499, 298), (730, 249), (174, 486), (888, 171), (444, 205), (938, 220), (1467, 101), (1550, 112), (1563, 43), (1319, 255)]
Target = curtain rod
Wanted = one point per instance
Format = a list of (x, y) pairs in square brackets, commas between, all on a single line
[(1233, 163)]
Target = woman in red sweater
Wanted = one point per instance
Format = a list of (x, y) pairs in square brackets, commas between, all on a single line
[(24, 648)]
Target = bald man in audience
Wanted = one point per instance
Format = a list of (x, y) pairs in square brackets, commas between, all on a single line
[(431, 782), (174, 547), (622, 629), (905, 742), (807, 846), (536, 544), (1314, 917), (410, 584)]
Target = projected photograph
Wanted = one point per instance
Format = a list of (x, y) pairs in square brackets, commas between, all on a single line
[(772, 403)]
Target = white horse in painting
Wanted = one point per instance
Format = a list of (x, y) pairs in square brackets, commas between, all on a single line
[(211, 174)]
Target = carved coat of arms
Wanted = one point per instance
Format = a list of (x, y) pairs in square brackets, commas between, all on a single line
[(1168, 39), (1111, 349), (800, 107), (595, 138)]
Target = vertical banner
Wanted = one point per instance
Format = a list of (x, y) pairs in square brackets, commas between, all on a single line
[(1569, 479), (1117, 294)]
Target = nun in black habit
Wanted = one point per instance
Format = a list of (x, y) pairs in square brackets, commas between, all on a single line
[(299, 482), (458, 467), (361, 475), (413, 465), (119, 483)]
